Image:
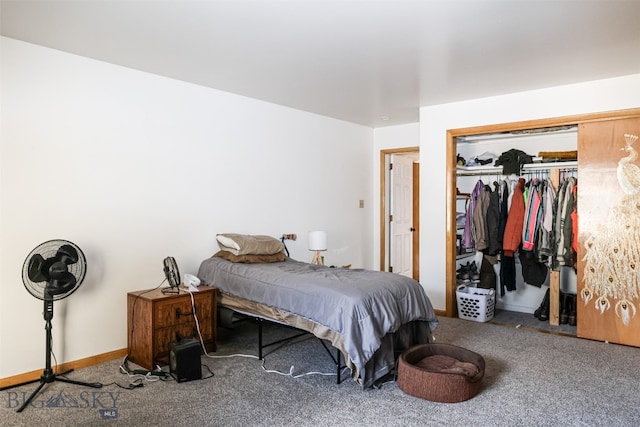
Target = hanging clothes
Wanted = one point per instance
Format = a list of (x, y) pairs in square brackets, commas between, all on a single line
[(512, 239), (504, 211), (493, 222), (480, 218), (533, 271), (507, 274), (545, 235), (532, 215), (469, 236), (515, 221), (564, 225), (574, 221), (529, 218)]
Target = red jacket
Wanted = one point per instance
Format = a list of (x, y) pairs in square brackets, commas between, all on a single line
[(515, 221)]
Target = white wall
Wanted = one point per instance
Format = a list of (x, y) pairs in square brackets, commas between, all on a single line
[(582, 98), (134, 167)]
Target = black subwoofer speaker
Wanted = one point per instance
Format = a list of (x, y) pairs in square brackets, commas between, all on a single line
[(184, 360)]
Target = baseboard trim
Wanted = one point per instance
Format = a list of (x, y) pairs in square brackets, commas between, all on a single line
[(76, 364)]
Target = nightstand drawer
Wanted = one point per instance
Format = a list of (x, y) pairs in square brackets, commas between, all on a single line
[(174, 312)]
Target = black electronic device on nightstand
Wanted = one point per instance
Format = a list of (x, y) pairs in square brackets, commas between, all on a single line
[(184, 360)]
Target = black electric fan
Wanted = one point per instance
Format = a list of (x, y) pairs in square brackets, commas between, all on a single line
[(172, 274), (51, 272)]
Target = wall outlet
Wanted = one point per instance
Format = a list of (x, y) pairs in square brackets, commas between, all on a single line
[(289, 236), (361, 204)]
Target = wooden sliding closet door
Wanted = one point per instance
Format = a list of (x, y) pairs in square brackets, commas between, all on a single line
[(609, 231)]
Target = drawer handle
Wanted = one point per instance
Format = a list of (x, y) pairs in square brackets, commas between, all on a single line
[(180, 313)]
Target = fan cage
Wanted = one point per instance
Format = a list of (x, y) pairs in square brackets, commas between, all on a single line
[(49, 249)]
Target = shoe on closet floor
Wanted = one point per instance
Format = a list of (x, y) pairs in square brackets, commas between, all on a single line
[(573, 315), (564, 308), (474, 274), (542, 312), (467, 272)]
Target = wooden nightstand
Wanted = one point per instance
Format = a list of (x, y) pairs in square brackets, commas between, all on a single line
[(157, 319)]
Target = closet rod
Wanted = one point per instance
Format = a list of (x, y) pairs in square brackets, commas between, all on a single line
[(478, 170), (562, 166)]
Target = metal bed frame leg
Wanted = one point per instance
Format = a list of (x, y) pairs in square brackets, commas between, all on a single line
[(338, 379), (260, 338)]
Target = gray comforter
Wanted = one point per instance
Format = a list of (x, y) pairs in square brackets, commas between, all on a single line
[(361, 305)]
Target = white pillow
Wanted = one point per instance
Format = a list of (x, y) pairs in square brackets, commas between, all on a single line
[(228, 242)]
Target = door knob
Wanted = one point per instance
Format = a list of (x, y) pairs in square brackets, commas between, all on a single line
[(412, 229)]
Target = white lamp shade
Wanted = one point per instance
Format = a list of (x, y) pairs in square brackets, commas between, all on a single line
[(317, 240)]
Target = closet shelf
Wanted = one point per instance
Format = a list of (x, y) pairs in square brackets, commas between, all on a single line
[(490, 170)]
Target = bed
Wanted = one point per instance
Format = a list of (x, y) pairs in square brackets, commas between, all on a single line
[(370, 317)]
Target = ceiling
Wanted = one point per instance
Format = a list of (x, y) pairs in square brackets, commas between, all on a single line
[(368, 62)]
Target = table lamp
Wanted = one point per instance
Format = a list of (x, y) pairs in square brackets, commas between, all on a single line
[(317, 243)]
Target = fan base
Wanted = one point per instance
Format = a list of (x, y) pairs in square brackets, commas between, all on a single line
[(48, 376)]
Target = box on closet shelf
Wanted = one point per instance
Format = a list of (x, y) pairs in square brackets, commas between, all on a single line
[(475, 304)]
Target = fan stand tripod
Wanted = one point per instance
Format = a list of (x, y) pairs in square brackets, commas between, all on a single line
[(48, 376)]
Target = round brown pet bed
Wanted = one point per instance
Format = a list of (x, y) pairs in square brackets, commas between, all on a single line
[(440, 372)]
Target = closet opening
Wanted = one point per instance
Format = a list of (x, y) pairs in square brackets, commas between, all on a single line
[(522, 265)]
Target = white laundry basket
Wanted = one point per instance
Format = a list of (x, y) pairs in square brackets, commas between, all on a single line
[(475, 304)]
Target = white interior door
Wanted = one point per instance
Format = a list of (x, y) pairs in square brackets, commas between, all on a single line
[(401, 215)]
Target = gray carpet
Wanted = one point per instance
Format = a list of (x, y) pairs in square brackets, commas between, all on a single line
[(529, 321), (531, 379)]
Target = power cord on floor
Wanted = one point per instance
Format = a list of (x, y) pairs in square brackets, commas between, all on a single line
[(137, 383), (138, 377), (249, 356), (304, 374)]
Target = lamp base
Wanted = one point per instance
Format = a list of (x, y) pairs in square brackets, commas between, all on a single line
[(317, 259)]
